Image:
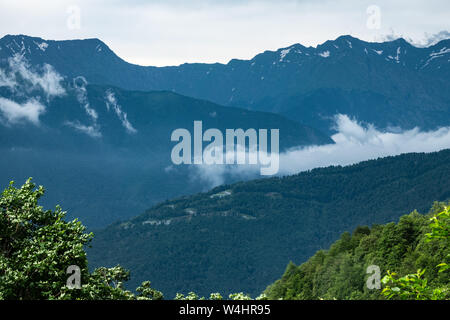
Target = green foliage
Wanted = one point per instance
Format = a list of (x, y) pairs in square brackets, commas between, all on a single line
[(239, 296), (102, 284), (37, 246), (146, 292), (440, 226), (340, 272), (410, 287), (217, 296), (414, 286), (190, 296), (240, 240)]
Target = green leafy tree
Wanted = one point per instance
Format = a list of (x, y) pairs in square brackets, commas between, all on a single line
[(410, 287), (146, 292), (440, 230), (37, 246), (218, 296), (342, 271), (415, 286)]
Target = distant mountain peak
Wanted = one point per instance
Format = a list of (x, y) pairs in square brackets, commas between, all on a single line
[(23, 44), (307, 83), (347, 37)]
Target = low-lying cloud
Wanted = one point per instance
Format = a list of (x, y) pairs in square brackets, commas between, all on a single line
[(7, 80), (426, 41), (111, 102), (80, 84), (353, 143), (92, 129), (47, 79), (15, 112), (20, 78)]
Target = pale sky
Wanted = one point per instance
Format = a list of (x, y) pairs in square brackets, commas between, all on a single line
[(172, 32)]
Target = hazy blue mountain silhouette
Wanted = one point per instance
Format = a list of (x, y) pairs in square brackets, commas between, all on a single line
[(118, 173), (389, 84)]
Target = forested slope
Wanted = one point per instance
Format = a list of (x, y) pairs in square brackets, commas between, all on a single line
[(240, 237), (341, 271)]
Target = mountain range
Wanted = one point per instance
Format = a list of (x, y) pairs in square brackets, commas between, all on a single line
[(390, 84), (95, 130)]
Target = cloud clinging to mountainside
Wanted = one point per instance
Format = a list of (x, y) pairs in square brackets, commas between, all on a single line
[(353, 143)]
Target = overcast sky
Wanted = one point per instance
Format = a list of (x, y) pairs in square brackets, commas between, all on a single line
[(172, 32)]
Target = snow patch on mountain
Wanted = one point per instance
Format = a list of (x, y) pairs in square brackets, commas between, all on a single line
[(324, 54), (435, 55), (441, 52), (397, 57), (42, 46), (284, 53)]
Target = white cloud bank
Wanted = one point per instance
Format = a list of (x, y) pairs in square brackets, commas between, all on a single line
[(421, 42), (353, 143), (20, 78), (48, 80), (15, 112)]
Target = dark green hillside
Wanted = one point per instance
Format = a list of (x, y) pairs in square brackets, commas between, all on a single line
[(240, 237), (111, 177), (340, 271)]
